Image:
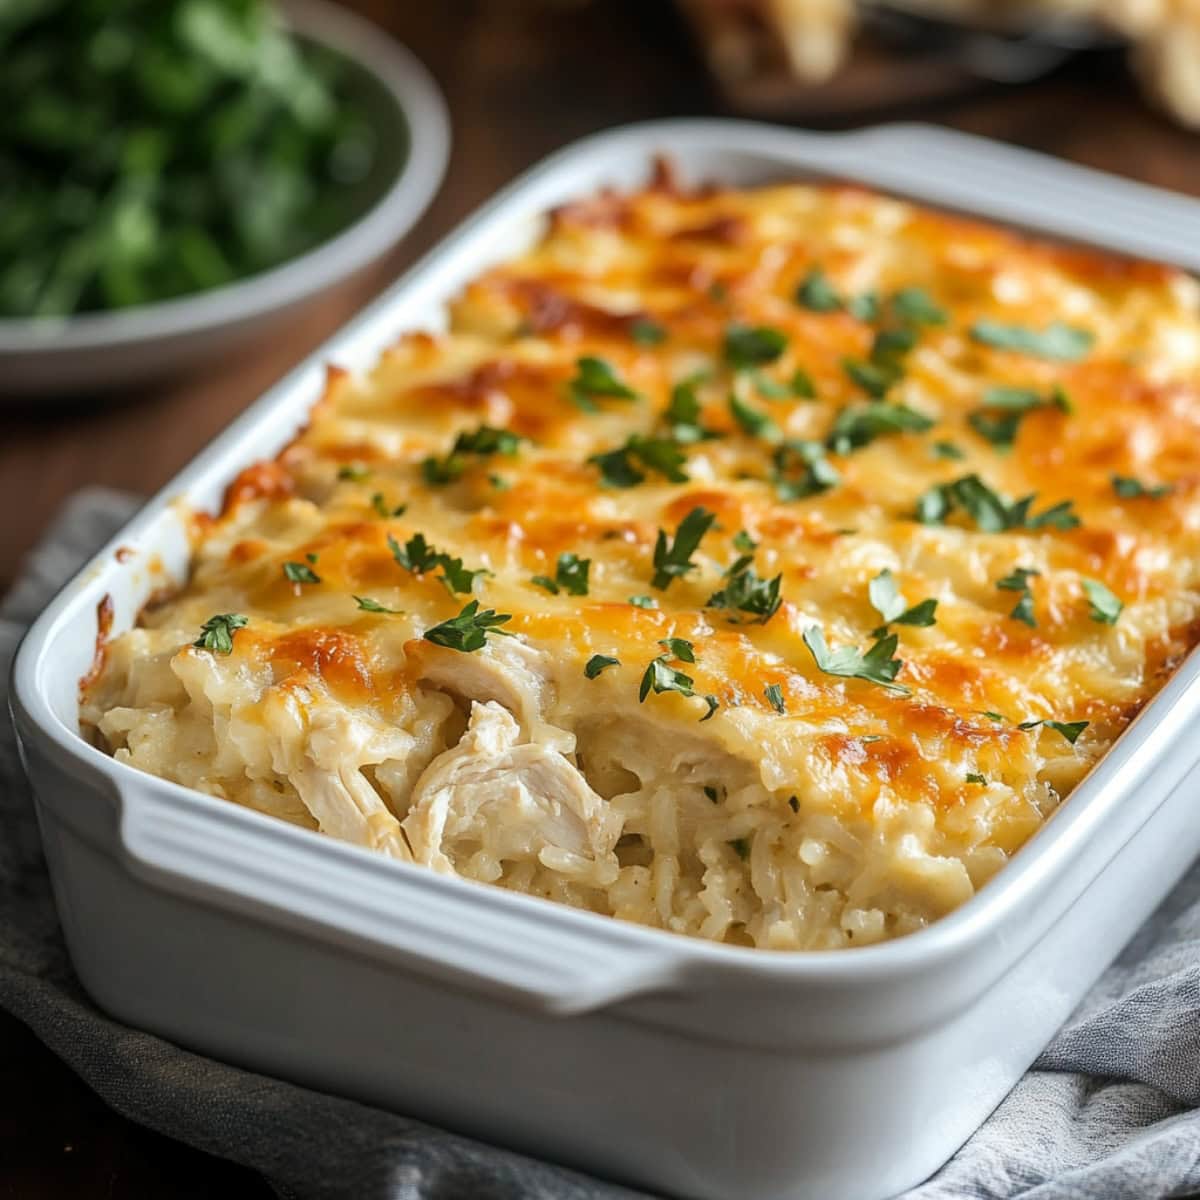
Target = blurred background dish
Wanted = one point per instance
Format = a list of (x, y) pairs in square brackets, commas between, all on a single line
[(256, 170)]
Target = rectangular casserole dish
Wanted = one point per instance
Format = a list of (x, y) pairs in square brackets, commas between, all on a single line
[(697, 1069)]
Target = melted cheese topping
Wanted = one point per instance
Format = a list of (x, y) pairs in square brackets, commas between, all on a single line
[(858, 812)]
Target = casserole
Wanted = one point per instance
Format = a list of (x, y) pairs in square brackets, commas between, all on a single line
[(518, 1001)]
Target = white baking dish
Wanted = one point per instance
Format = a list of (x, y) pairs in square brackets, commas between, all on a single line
[(696, 1069)]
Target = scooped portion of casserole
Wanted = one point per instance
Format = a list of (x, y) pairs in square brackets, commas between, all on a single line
[(759, 565)]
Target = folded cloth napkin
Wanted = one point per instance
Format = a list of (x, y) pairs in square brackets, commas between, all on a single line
[(1108, 1110)]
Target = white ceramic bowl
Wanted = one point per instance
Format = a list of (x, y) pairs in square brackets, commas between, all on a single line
[(95, 352)]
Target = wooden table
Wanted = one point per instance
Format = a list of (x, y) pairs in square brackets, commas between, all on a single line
[(521, 79)]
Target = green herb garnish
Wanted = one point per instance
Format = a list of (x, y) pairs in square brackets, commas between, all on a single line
[(619, 468), (1017, 580), (802, 470), (988, 509), (373, 606), (216, 634), (774, 695), (468, 631), (353, 471), (749, 346), (1060, 342), (673, 558), (595, 378), (483, 442), (917, 306), (570, 575), (643, 601), (878, 665), (752, 422), (816, 293), (598, 663), (1104, 606), (887, 601), (1129, 488), (975, 777), (646, 332), (298, 573), (861, 424), (419, 557), (1069, 729), (661, 678), (679, 648), (947, 450), (1005, 407)]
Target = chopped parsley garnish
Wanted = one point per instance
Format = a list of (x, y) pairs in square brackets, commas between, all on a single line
[(1103, 605), (679, 648), (891, 345), (1060, 342), (1129, 488), (468, 631), (499, 483), (768, 388), (598, 663), (744, 542), (683, 413), (802, 470), (594, 378), (643, 601), (801, 385), (989, 510), (1069, 729), (674, 558), (1017, 580), (618, 468), (817, 294), (752, 422), (216, 634), (646, 332), (917, 306), (861, 424), (300, 573), (570, 575), (380, 505), (713, 704), (484, 442), (353, 471), (749, 346), (312, 558), (745, 592), (871, 377), (419, 557), (373, 606), (774, 695), (975, 777), (887, 601), (877, 665), (947, 450), (864, 307), (661, 678), (1005, 407)]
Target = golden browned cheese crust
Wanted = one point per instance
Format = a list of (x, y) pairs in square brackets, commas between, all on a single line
[(810, 809)]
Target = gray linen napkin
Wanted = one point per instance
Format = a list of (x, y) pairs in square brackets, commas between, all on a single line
[(1109, 1110)]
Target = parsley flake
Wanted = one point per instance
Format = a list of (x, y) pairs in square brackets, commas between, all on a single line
[(1059, 342), (878, 665), (373, 606), (679, 648), (917, 306), (216, 634), (947, 450), (468, 631), (661, 678), (643, 601), (1103, 605), (1069, 729), (674, 558), (816, 293), (353, 471), (802, 470), (570, 575), (299, 573), (745, 592), (1129, 488), (861, 424), (774, 695), (749, 346), (887, 601), (975, 777), (484, 442), (646, 332), (598, 663), (594, 377), (1004, 408), (619, 468), (990, 511), (419, 557), (683, 412), (1017, 580), (752, 422)]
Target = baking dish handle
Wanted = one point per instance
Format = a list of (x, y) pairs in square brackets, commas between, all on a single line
[(518, 949)]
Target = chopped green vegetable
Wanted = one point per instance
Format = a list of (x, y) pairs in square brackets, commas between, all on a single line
[(802, 470), (744, 542), (679, 648), (643, 601), (975, 777), (419, 557), (878, 665), (152, 150), (816, 293), (947, 450), (468, 631), (646, 332), (353, 471), (594, 377), (1129, 488), (216, 634), (1004, 408), (373, 606), (752, 422), (683, 413), (887, 601), (745, 592), (752, 346), (484, 442), (661, 678), (861, 424), (865, 307), (570, 575), (873, 378), (598, 663), (1069, 729), (1104, 606), (618, 468), (1017, 580), (1058, 341), (917, 306), (801, 385), (768, 388), (299, 573), (774, 695), (673, 558), (989, 510)]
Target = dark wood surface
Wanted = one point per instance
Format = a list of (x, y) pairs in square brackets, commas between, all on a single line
[(521, 79)]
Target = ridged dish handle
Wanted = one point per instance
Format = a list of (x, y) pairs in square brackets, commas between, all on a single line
[(542, 957)]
